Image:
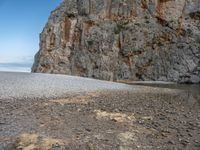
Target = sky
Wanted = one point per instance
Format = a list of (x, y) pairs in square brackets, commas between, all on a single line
[(21, 22)]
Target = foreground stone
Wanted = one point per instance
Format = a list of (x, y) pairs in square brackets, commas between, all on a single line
[(117, 40), (149, 119)]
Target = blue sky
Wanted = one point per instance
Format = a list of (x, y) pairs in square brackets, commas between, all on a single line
[(21, 21)]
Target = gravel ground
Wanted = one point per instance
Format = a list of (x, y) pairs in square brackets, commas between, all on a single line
[(121, 118), (45, 86)]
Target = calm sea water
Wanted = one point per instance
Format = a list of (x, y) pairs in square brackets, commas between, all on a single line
[(15, 67)]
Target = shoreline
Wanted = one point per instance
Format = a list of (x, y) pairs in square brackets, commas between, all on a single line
[(105, 115)]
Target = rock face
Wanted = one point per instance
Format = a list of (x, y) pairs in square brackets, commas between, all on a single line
[(123, 40)]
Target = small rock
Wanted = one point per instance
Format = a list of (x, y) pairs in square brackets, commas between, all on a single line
[(171, 142), (89, 130)]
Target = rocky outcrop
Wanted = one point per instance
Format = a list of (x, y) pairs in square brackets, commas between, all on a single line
[(123, 40)]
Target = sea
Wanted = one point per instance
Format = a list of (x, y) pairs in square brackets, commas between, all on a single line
[(15, 67)]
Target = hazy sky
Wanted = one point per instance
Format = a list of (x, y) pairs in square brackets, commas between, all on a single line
[(21, 21)]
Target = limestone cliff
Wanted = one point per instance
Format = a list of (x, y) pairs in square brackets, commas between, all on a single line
[(123, 40)]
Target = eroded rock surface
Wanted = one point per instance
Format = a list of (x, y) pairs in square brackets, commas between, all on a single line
[(123, 40)]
